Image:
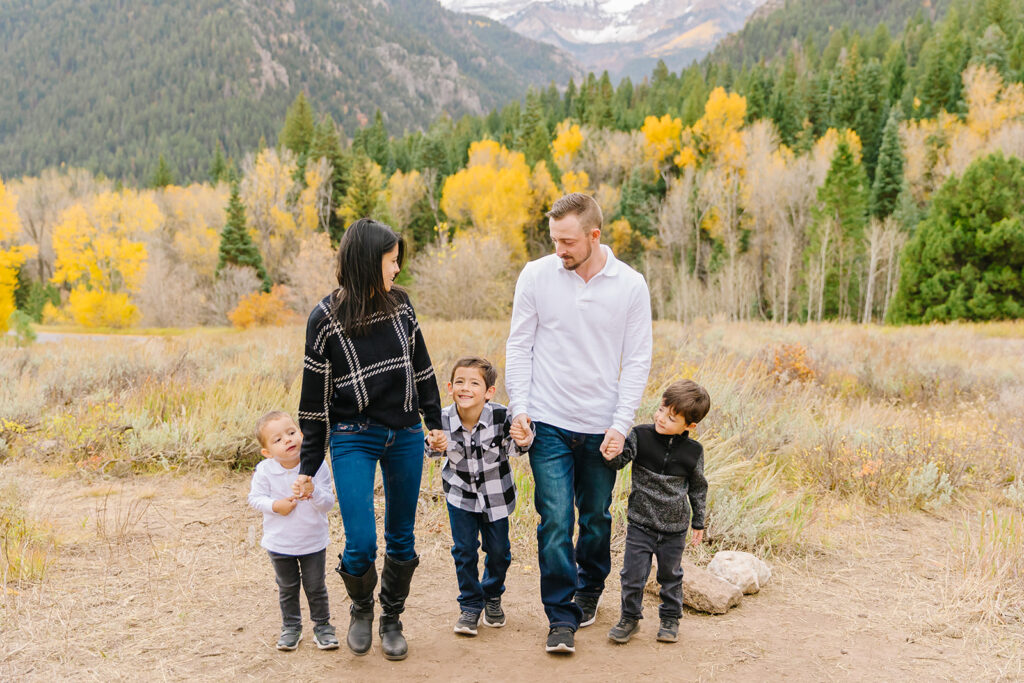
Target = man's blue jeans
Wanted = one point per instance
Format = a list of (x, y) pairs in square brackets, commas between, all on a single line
[(356, 448), (569, 473), (468, 530)]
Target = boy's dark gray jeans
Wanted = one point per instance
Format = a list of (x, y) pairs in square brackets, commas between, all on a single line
[(309, 572), (641, 545)]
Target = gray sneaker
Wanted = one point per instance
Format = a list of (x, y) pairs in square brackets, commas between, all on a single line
[(624, 630), (669, 631), (561, 639), (289, 639), (494, 616), (466, 625), (324, 635)]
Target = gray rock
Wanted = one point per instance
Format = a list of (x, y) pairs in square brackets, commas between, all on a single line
[(743, 570), (705, 592)]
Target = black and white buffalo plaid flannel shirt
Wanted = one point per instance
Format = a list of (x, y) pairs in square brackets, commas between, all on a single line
[(477, 476)]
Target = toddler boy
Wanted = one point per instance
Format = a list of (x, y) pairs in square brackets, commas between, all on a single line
[(295, 531), (668, 473), (479, 489)]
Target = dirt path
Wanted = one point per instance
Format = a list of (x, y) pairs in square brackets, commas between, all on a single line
[(163, 578)]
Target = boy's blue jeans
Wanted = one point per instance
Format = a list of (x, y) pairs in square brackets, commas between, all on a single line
[(356, 448), (468, 530), (569, 473)]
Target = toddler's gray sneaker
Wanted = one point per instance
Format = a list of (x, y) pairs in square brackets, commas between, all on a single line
[(325, 637), (624, 630), (289, 639), (669, 631)]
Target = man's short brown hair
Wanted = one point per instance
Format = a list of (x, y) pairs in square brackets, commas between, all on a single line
[(583, 206), (264, 419), (482, 364), (687, 399)]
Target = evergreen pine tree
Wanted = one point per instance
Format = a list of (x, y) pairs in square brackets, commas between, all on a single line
[(218, 167), (163, 176), (326, 144), (377, 141), (536, 139), (885, 190), (964, 259), (236, 245), (297, 132)]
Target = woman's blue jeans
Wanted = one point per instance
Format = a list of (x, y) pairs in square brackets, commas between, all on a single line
[(569, 473), (356, 448)]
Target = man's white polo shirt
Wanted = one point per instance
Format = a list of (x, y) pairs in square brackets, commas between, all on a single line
[(578, 353)]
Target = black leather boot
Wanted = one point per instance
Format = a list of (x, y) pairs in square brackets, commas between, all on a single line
[(394, 589), (360, 591)]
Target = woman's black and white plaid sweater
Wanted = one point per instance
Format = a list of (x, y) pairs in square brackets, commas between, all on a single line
[(384, 375)]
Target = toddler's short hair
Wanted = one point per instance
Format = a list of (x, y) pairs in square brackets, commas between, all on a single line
[(687, 399), (264, 419), (482, 364)]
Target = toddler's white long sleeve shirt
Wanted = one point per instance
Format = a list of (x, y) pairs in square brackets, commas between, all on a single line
[(304, 530)]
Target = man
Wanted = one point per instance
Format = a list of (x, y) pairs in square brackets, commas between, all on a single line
[(577, 359)]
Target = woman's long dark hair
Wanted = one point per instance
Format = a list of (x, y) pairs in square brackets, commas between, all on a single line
[(361, 292)]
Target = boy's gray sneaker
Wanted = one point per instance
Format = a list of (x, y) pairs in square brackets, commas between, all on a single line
[(624, 630), (289, 639), (669, 631), (588, 605), (561, 639), (494, 616), (325, 637), (466, 625)]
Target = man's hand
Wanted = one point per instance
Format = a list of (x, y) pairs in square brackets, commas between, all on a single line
[(284, 506), (437, 440), (698, 537), (302, 487), (612, 444), (521, 433)]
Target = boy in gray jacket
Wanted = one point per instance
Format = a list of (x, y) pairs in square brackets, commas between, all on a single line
[(668, 487)]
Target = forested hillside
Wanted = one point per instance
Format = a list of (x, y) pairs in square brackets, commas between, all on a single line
[(112, 85), (879, 178)]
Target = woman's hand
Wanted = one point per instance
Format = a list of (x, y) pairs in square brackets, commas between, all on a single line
[(302, 487), (437, 440)]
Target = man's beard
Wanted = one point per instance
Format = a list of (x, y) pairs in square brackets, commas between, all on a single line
[(579, 263)]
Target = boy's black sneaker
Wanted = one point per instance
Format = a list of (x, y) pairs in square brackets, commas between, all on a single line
[(466, 625), (494, 616), (669, 631), (561, 639), (624, 630), (289, 639), (588, 605), (325, 637)]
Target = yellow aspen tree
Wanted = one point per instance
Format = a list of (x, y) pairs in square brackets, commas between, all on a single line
[(661, 139), (265, 191), (404, 192), (492, 194), (566, 145), (101, 257), (194, 216), (716, 135), (573, 181), (11, 256)]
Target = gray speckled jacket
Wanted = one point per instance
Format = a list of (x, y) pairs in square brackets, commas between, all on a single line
[(668, 480)]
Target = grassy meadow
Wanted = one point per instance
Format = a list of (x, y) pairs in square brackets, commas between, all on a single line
[(810, 426)]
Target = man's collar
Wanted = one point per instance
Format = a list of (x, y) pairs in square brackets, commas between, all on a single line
[(610, 268)]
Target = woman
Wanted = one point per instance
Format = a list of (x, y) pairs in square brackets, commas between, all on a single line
[(366, 379)]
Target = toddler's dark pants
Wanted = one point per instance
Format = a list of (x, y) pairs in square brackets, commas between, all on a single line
[(309, 572), (641, 545)]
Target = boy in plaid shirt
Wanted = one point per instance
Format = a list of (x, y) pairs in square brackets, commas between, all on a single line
[(478, 487)]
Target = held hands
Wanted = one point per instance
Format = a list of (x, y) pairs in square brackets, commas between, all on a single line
[(302, 487), (520, 431), (612, 444), (285, 506), (437, 440)]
